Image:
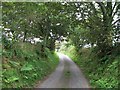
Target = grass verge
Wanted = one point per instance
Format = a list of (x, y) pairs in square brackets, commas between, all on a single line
[(100, 75), (27, 67)]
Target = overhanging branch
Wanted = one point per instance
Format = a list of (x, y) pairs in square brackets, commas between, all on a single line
[(116, 21)]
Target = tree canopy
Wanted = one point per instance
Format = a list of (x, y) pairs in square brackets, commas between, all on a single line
[(94, 23)]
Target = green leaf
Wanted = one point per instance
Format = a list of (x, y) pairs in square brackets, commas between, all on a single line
[(12, 79), (14, 64), (27, 67)]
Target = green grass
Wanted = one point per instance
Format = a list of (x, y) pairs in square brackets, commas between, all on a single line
[(99, 75), (27, 68)]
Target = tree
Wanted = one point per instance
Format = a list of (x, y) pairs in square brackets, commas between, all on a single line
[(26, 21), (98, 19)]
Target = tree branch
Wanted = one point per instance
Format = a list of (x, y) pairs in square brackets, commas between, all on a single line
[(116, 21), (114, 7), (117, 8), (102, 8)]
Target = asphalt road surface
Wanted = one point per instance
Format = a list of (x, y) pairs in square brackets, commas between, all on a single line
[(66, 75)]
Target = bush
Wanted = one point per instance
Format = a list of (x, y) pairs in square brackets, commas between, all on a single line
[(27, 68), (100, 74)]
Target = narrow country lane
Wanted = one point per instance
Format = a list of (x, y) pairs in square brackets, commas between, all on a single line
[(66, 75)]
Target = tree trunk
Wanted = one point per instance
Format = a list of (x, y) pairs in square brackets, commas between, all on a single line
[(52, 44)]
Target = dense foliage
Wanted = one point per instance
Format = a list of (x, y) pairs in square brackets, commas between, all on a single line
[(27, 67), (26, 21), (100, 75), (94, 23), (30, 30), (98, 26)]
